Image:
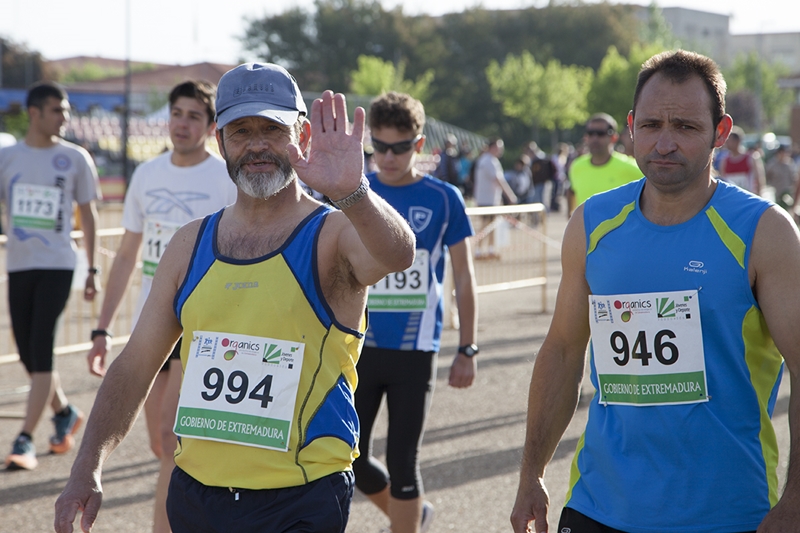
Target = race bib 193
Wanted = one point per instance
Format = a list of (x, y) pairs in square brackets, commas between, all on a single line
[(403, 291), (648, 348), (240, 389)]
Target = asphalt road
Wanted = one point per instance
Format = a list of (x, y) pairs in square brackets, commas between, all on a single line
[(470, 455)]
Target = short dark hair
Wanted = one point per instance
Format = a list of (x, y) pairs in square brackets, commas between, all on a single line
[(678, 66), (202, 91), (41, 91), (397, 110), (605, 117)]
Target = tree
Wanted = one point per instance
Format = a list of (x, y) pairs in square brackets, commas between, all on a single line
[(752, 73), (376, 76), (20, 66), (615, 82), (551, 96), (321, 48)]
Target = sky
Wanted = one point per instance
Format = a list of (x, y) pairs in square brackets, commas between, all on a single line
[(191, 31)]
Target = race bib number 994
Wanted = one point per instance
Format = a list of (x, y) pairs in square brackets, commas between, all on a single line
[(240, 389), (648, 348)]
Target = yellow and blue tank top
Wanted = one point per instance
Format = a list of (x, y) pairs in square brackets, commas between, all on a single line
[(708, 466), (275, 296)]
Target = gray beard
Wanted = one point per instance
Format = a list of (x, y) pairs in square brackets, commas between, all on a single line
[(261, 185)]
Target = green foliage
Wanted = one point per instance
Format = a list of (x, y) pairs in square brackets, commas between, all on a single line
[(552, 96), (615, 82), (322, 49), (90, 72), (751, 73), (16, 124), (376, 76)]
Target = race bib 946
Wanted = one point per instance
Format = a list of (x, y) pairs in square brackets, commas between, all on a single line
[(648, 348)]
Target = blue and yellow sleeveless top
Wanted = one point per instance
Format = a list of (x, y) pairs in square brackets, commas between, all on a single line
[(275, 296), (707, 466)]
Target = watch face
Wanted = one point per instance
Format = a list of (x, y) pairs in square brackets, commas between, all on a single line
[(470, 350)]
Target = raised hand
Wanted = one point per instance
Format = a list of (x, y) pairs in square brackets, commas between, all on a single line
[(335, 161)]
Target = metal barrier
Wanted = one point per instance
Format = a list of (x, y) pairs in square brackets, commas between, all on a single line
[(519, 230), (521, 242)]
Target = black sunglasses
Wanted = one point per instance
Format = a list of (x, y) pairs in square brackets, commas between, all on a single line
[(599, 133), (396, 148)]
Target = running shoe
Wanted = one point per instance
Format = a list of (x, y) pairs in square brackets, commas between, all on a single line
[(427, 516), (66, 426), (23, 455)]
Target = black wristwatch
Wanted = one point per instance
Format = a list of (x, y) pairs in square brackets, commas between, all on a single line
[(470, 350), (101, 333)]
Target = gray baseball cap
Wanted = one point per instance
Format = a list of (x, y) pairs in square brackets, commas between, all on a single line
[(259, 90)]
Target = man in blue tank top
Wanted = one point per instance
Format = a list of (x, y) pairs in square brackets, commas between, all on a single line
[(270, 296), (687, 288)]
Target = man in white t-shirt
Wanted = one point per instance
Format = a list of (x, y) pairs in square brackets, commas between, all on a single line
[(40, 180), (489, 188), (166, 192)]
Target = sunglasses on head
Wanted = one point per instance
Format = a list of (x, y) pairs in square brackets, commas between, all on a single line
[(396, 148), (599, 133)]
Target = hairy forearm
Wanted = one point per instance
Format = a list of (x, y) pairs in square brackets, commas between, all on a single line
[(384, 233), (115, 409)]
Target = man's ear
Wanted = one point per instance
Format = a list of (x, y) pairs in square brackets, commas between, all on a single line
[(305, 136), (722, 131), (630, 122)]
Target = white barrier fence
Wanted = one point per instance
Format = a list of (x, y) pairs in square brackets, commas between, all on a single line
[(519, 238)]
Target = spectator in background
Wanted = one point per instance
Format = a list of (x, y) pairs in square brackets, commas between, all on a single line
[(739, 166), (560, 160), (519, 178), (782, 176), (448, 167), (465, 170), (490, 186), (542, 171), (602, 168)]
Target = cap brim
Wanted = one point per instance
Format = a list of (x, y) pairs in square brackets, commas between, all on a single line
[(287, 117)]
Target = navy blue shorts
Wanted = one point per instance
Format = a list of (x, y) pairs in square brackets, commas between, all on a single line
[(574, 522), (322, 506)]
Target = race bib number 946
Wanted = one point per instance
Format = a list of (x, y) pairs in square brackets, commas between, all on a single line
[(648, 348), (240, 389)]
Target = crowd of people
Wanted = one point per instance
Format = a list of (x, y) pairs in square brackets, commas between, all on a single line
[(273, 324)]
